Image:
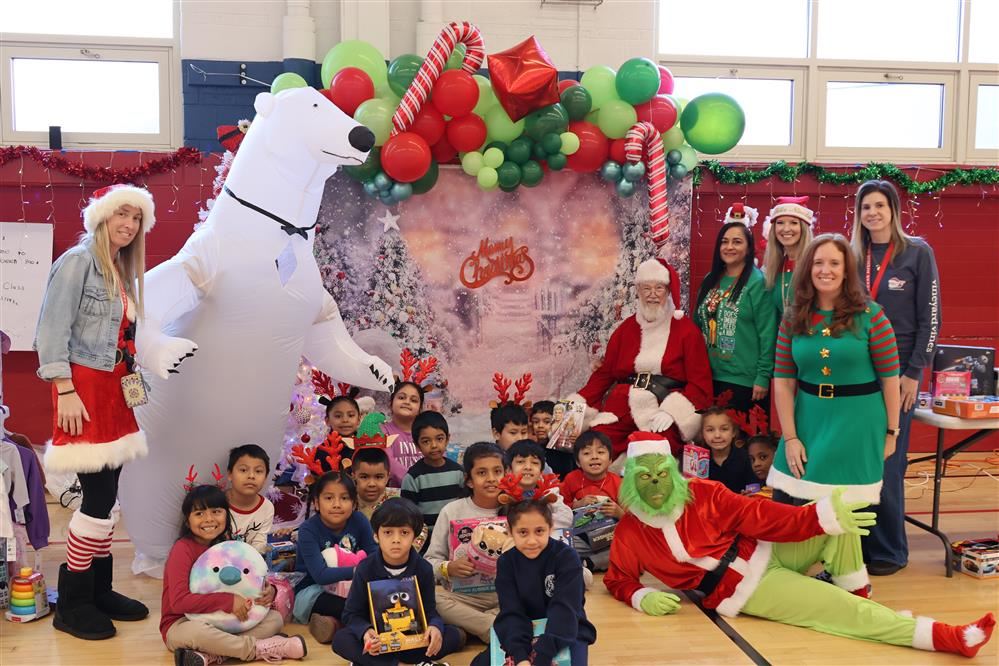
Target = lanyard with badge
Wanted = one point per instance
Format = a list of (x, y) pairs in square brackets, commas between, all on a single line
[(132, 386), (873, 288)]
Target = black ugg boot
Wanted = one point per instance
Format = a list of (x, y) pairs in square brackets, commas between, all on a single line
[(116, 606), (75, 612)]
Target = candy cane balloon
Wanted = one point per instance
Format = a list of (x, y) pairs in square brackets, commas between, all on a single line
[(645, 135), (418, 92)]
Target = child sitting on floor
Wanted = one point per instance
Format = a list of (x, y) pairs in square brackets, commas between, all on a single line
[(252, 514), (527, 460), (729, 464), (396, 523), (592, 483), (436, 480)]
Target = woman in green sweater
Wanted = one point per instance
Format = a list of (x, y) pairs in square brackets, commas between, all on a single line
[(735, 313)]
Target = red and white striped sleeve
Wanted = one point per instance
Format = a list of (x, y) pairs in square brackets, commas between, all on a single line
[(884, 352), (784, 366)]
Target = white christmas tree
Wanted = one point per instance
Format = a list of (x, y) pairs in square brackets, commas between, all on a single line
[(341, 272)]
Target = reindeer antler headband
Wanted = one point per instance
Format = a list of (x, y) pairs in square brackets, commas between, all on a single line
[(502, 385), (326, 390), (417, 370), (190, 481), (333, 446), (511, 491)]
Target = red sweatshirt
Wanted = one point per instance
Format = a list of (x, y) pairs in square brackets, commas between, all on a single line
[(576, 486), (177, 596)]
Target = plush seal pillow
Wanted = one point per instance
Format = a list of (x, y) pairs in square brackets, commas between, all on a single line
[(234, 567)]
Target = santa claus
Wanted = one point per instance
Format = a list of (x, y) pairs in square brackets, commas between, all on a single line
[(655, 373), (751, 555)]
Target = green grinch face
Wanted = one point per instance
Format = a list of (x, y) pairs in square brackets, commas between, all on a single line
[(653, 480)]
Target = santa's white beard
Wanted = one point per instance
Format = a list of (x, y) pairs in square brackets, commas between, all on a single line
[(653, 313)]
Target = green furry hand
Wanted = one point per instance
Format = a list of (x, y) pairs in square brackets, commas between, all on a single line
[(850, 518), (660, 603)]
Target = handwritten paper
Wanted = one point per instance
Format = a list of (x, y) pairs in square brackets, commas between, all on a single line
[(25, 260)]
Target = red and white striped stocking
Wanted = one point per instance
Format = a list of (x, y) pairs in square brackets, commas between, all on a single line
[(89, 537)]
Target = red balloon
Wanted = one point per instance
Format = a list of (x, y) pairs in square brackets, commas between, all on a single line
[(406, 157), (523, 78), (349, 87), (566, 83), (429, 123), (455, 94), (593, 147), (660, 111), (617, 151), (466, 133), (666, 82), (443, 151)]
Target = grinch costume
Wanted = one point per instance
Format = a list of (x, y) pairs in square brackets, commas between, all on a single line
[(751, 555), (652, 372)]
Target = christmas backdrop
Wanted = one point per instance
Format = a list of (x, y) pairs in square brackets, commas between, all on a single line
[(530, 281)]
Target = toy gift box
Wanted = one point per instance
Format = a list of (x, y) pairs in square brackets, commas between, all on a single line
[(973, 407), (696, 461), (567, 424), (979, 361), (499, 658), (978, 558), (482, 541), (951, 383), (594, 527), (397, 614)]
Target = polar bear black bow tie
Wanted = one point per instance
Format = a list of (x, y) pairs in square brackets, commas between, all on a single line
[(288, 227)]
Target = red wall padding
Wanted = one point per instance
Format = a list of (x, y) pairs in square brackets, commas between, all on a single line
[(962, 226)]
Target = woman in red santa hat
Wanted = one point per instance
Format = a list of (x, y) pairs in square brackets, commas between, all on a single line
[(788, 231), (655, 374), (85, 344)]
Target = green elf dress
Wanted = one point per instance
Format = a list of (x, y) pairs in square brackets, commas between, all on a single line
[(839, 410)]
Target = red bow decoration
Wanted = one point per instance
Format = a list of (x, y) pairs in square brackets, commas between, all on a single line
[(192, 476), (524, 78)]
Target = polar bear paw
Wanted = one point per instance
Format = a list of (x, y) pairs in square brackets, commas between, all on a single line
[(162, 354)]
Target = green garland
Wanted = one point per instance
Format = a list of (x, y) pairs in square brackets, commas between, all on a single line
[(873, 171)]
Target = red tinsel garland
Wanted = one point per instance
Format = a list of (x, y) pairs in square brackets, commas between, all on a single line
[(52, 160)]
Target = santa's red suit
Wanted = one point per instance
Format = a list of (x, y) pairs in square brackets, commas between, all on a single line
[(672, 346), (679, 549)]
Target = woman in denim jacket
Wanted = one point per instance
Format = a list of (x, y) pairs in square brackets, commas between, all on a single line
[(85, 343)]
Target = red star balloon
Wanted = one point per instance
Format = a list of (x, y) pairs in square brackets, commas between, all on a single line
[(523, 78)]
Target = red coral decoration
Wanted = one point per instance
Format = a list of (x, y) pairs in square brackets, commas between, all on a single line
[(502, 386), (408, 362), (307, 456), (523, 386), (427, 366), (54, 161)]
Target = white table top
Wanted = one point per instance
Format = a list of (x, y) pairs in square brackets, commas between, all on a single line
[(929, 417)]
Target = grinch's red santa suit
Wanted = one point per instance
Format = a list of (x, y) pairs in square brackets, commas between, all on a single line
[(655, 373)]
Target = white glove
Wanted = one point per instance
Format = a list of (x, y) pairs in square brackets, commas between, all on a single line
[(159, 353), (660, 421), (382, 372), (603, 418)]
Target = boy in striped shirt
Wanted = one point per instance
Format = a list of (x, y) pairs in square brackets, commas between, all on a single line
[(435, 480)]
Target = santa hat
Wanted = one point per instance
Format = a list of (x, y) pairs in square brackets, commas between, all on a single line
[(796, 207), (740, 212), (644, 443), (107, 200), (658, 270)]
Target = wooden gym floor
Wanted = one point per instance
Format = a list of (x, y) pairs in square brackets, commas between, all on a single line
[(970, 506)]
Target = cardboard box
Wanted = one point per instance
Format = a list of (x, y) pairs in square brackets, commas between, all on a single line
[(950, 382), (482, 541), (281, 556), (696, 461), (979, 361), (973, 407), (397, 613), (978, 558), (589, 524)]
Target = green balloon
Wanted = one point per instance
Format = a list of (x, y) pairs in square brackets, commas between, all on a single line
[(508, 189), (499, 126), (402, 71), (427, 180), (487, 178), (673, 156), (531, 173), (366, 171), (552, 143), (496, 144), (472, 163), (493, 157), (713, 123), (637, 81), (520, 150), (487, 98), (673, 138), (538, 152), (376, 115), (509, 175), (557, 161), (577, 102), (570, 143), (616, 118), (546, 120), (599, 82), (287, 81), (688, 157), (593, 117), (677, 171), (457, 57), (354, 53)]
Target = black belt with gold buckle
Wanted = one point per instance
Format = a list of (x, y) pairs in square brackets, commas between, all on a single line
[(659, 385), (839, 390)]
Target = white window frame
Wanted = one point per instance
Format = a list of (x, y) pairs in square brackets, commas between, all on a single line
[(979, 155), (165, 52), (798, 78), (959, 107)]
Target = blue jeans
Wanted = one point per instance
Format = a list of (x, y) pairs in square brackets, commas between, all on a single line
[(887, 541)]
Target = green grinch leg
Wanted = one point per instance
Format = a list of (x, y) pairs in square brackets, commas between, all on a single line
[(786, 595)]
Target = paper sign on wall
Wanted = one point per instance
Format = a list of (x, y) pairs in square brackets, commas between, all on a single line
[(25, 260)]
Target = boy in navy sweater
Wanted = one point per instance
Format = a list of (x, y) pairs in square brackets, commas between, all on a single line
[(539, 558), (396, 524)]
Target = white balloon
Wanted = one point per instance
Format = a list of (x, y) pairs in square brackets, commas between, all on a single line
[(248, 293)]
